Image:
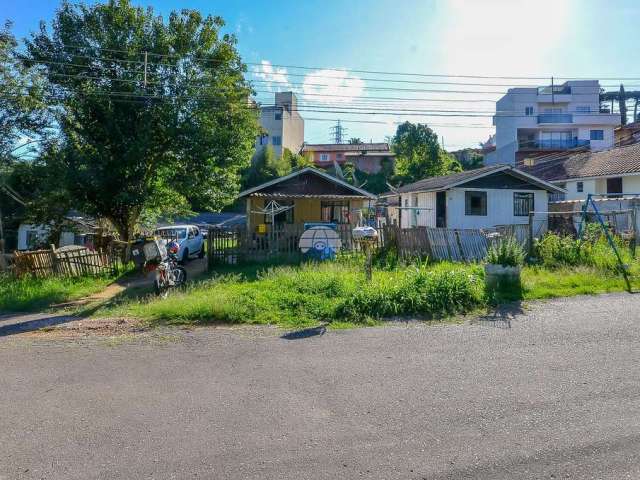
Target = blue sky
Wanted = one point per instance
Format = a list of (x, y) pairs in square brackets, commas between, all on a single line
[(572, 38)]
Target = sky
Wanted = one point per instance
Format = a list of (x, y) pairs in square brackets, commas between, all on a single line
[(373, 63)]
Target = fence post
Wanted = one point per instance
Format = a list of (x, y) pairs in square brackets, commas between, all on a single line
[(634, 240), (530, 239), (209, 249)]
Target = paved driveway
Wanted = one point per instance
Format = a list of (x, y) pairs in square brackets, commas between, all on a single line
[(550, 393)]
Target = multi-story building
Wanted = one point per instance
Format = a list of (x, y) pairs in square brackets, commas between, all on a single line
[(367, 157), (534, 121), (282, 124)]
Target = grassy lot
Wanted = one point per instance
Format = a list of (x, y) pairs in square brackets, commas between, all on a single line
[(33, 294), (336, 292)]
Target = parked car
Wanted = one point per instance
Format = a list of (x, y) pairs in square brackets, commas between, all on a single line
[(189, 237)]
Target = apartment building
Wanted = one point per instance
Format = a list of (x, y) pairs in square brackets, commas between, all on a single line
[(283, 126), (535, 121)]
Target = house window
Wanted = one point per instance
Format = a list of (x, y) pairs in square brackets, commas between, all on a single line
[(335, 212), (528, 110), (278, 115), (579, 187), (614, 187), (583, 108), (475, 203), (276, 140), (263, 140), (596, 134), (324, 157), (338, 156), (523, 204), (33, 239), (282, 217)]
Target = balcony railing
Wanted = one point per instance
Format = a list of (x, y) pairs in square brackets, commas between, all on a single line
[(552, 144), (555, 118), (556, 90)]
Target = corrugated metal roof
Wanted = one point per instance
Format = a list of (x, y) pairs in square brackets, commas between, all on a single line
[(347, 147)]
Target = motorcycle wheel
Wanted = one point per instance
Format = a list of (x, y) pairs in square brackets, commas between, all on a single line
[(180, 275), (161, 287)]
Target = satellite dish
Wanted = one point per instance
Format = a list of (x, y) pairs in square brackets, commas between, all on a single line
[(320, 241)]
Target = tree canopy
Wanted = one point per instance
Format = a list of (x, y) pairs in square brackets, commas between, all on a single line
[(419, 155), (153, 113)]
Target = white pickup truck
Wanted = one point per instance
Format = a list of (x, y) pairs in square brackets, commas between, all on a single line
[(189, 237)]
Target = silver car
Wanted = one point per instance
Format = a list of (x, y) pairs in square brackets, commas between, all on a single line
[(189, 237)]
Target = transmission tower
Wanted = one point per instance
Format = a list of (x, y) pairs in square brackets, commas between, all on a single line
[(338, 133)]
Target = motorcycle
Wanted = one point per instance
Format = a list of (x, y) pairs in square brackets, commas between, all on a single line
[(169, 274)]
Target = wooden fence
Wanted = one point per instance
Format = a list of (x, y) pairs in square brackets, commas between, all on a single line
[(69, 263), (459, 245)]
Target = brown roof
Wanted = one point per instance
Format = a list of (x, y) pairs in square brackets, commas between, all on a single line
[(616, 161), (446, 182), (346, 147)]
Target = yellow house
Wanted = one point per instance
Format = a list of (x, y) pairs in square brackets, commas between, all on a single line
[(305, 196)]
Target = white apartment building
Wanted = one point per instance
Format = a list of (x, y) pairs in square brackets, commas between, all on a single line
[(283, 125), (533, 121)]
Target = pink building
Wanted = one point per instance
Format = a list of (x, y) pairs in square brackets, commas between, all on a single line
[(367, 157)]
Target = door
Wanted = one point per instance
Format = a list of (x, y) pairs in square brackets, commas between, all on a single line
[(414, 212), (441, 209)]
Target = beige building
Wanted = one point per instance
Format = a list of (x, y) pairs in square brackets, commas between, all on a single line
[(283, 126)]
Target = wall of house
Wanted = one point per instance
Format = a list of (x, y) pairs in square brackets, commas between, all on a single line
[(630, 185), (421, 218), (499, 209), (304, 210)]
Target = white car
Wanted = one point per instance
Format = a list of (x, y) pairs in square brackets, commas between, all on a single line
[(189, 237)]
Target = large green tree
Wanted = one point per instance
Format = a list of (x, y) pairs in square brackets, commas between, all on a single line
[(153, 112), (419, 155)]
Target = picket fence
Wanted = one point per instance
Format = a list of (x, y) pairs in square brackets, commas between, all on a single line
[(68, 263)]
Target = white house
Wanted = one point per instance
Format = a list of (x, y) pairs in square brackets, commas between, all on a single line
[(533, 121), (614, 172), (481, 198)]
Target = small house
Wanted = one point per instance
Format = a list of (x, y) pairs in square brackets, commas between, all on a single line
[(482, 198), (306, 196)]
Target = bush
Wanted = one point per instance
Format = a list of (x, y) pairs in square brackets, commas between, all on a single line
[(593, 250), (508, 253)]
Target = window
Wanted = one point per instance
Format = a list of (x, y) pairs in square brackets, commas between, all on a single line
[(596, 134), (523, 203), (324, 157), (263, 140), (335, 212), (614, 187), (282, 217), (579, 187), (528, 110), (475, 203), (583, 108), (338, 156), (278, 115), (276, 140)]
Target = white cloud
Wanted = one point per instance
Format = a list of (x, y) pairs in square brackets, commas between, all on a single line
[(276, 78), (337, 85)]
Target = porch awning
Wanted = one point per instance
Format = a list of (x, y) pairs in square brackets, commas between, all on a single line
[(300, 195)]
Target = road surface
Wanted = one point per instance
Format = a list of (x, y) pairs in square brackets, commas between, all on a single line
[(549, 392)]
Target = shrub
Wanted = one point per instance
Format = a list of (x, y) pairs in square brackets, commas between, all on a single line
[(508, 253)]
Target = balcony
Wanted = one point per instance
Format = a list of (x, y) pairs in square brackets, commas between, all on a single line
[(552, 144), (555, 90), (555, 118)]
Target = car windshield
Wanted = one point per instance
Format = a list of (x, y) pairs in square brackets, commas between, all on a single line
[(172, 233)]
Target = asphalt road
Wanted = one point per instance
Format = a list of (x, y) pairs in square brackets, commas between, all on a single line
[(553, 392)]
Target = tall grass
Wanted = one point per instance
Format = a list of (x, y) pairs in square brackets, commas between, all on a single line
[(31, 294), (331, 291)]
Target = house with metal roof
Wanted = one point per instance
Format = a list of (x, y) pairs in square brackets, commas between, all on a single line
[(482, 198), (306, 196), (614, 172)]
